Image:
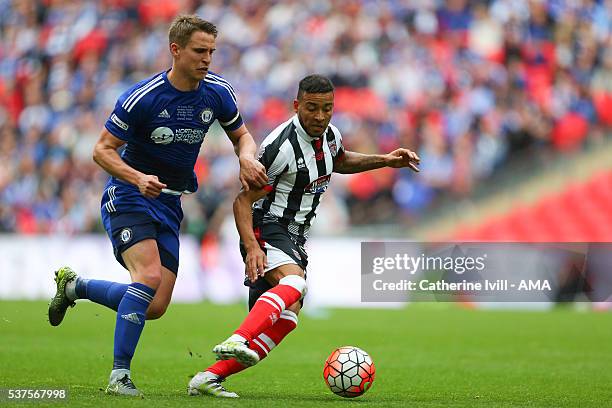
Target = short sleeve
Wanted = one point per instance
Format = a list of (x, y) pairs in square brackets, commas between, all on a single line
[(124, 119), (229, 115)]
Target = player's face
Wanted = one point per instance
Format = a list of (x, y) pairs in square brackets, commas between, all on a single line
[(195, 58), (315, 111)]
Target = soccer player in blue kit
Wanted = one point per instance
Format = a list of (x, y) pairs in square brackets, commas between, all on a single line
[(162, 122)]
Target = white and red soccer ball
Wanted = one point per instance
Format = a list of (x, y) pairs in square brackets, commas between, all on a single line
[(349, 371)]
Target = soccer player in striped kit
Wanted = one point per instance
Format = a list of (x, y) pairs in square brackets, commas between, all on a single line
[(162, 122), (299, 156)]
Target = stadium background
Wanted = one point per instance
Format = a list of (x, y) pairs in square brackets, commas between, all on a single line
[(507, 102)]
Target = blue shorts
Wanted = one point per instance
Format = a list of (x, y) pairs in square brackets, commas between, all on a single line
[(129, 217)]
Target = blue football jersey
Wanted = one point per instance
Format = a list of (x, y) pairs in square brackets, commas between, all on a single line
[(164, 127)]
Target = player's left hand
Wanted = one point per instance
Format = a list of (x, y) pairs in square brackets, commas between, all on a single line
[(403, 158), (256, 263), (252, 173)]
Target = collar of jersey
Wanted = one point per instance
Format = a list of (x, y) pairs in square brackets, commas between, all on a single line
[(195, 91), (300, 130)]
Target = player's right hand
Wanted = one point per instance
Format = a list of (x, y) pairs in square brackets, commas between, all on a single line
[(256, 263), (252, 173), (150, 186)]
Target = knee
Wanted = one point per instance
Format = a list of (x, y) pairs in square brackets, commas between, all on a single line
[(295, 281), (150, 277), (156, 311)]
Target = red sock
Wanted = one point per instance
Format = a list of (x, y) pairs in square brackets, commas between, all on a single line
[(262, 344), (225, 368), (266, 341), (268, 308)]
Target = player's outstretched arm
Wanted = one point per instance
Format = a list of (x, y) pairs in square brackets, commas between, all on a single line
[(255, 261), (106, 156), (353, 162), (252, 172)]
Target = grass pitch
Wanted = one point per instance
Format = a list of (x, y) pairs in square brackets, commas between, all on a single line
[(428, 355)]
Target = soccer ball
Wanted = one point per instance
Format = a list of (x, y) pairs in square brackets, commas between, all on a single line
[(349, 371)]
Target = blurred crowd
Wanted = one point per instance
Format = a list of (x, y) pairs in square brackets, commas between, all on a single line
[(469, 85)]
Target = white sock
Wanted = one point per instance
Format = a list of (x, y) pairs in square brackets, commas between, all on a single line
[(71, 290)]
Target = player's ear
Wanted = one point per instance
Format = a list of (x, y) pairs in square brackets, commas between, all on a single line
[(174, 49), (296, 104)]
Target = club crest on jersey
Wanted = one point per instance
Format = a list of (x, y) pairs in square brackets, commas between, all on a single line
[(319, 185), (162, 135), (125, 235), (206, 115), (333, 148)]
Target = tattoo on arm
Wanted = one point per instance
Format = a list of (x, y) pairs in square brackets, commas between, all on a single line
[(354, 162)]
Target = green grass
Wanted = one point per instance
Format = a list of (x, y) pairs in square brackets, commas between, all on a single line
[(426, 356)]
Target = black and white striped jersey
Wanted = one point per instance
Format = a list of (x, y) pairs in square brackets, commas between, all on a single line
[(299, 169)]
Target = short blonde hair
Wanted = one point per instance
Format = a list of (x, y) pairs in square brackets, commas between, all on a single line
[(185, 25)]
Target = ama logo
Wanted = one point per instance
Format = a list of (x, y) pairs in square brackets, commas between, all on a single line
[(319, 185), (162, 135)]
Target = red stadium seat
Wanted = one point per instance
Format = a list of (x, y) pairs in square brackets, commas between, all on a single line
[(603, 106), (569, 132), (580, 213)]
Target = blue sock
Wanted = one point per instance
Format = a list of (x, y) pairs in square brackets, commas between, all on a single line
[(130, 322), (105, 293)]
